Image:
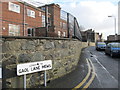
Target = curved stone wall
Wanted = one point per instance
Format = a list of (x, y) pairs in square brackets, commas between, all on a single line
[(64, 54)]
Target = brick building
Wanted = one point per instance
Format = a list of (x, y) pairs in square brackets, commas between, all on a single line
[(112, 37), (98, 37), (23, 19), (90, 35), (19, 18), (57, 24)]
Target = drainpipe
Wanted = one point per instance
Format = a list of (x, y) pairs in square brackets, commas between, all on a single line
[(46, 19), (24, 19), (68, 25)]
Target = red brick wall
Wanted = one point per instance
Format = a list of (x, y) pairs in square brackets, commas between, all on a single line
[(33, 22), (10, 17), (62, 29), (0, 18)]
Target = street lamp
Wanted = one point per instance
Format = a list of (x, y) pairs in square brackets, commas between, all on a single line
[(114, 25)]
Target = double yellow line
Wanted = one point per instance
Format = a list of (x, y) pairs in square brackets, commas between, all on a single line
[(91, 71)]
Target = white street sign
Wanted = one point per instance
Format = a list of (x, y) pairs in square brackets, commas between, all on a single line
[(32, 67)]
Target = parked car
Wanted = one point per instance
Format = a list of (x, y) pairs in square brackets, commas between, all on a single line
[(113, 49), (100, 46)]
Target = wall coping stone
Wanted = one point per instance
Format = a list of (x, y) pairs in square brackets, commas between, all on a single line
[(34, 37)]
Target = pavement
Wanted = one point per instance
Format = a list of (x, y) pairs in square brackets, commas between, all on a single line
[(72, 79)]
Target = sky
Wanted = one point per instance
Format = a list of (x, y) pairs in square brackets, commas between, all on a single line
[(91, 14)]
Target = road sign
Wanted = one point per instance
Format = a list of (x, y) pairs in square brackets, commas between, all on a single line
[(32, 67)]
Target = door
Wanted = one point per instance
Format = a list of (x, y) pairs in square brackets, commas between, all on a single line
[(31, 32)]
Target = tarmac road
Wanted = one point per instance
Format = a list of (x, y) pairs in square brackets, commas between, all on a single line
[(106, 72)]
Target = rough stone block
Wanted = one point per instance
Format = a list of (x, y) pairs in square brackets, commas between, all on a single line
[(38, 56), (24, 58)]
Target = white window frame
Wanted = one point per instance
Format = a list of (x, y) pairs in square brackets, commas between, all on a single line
[(30, 13), (61, 24), (59, 33), (14, 7), (43, 20), (14, 30), (40, 14), (64, 26), (64, 34)]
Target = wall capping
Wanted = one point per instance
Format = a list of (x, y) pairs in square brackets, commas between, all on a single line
[(34, 37)]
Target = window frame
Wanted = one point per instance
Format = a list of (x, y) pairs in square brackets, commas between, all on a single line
[(14, 30), (14, 7), (30, 13)]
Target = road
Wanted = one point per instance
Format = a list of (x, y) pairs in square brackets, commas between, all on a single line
[(105, 74), (106, 69)]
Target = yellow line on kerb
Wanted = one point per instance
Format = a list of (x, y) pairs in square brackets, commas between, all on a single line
[(85, 79), (92, 78), (90, 68)]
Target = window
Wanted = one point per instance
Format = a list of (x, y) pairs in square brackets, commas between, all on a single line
[(14, 30), (60, 24), (14, 7), (31, 13), (59, 33), (49, 21), (43, 8), (64, 26), (40, 14), (43, 20), (30, 32), (64, 34)]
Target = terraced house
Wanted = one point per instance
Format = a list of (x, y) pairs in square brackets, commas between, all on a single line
[(20, 18), (23, 19)]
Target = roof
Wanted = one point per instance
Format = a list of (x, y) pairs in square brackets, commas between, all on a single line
[(30, 5), (52, 4)]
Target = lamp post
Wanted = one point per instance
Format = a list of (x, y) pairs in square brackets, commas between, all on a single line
[(114, 26)]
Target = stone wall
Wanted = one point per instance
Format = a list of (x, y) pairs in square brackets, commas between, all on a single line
[(64, 53)]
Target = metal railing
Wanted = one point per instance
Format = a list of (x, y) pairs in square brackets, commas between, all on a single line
[(72, 25)]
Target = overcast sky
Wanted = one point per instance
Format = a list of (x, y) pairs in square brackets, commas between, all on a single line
[(91, 14)]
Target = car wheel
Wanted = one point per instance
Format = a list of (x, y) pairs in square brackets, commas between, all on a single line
[(111, 54), (96, 49), (106, 53)]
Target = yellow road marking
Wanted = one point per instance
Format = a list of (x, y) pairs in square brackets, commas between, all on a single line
[(87, 76), (85, 79), (92, 78)]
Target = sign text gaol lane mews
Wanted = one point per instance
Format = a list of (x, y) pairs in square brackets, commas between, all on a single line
[(32, 67)]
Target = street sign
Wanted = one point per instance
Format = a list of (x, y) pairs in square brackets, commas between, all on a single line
[(32, 67)]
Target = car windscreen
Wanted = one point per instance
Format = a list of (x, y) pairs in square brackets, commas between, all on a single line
[(101, 43), (116, 45)]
